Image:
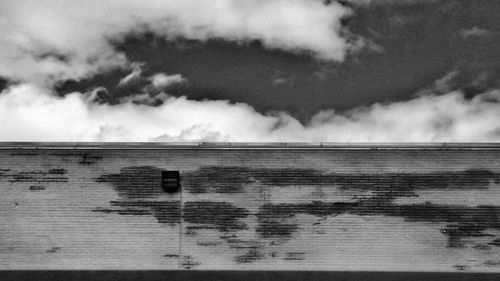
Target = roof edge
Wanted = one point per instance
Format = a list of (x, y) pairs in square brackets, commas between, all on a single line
[(250, 145)]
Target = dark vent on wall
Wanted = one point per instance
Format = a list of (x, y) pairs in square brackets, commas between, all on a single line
[(170, 181)]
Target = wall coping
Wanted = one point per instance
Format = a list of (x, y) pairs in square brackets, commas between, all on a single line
[(252, 145)]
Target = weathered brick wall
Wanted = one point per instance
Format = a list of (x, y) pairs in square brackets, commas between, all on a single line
[(255, 209)]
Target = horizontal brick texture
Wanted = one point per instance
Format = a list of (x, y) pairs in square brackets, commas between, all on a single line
[(251, 209)]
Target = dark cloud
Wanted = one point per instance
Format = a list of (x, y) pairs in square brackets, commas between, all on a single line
[(407, 57), (3, 84), (412, 46)]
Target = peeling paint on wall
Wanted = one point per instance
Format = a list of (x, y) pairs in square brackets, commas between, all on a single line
[(261, 213)]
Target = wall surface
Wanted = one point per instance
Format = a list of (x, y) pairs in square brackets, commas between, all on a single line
[(253, 208)]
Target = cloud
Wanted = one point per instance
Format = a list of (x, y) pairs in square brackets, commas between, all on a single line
[(385, 2), (134, 76), (162, 80), (474, 32), (32, 113), (46, 41)]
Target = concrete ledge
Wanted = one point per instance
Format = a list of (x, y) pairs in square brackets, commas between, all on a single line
[(250, 145)]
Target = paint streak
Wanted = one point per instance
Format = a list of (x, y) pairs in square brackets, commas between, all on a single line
[(136, 182), (461, 221), (276, 229), (223, 216), (248, 257), (37, 188), (188, 262), (295, 256), (208, 243), (89, 159), (495, 242), (277, 222), (24, 153), (171, 256), (492, 263), (53, 250), (237, 243), (58, 171), (164, 211), (233, 179), (482, 247), (217, 179), (38, 176)]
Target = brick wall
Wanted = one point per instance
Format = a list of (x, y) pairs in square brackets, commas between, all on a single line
[(396, 209)]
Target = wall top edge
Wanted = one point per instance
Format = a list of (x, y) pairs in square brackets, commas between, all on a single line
[(247, 145)]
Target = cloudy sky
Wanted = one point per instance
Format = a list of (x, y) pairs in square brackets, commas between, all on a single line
[(253, 70)]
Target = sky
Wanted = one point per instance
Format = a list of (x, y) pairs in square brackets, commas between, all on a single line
[(253, 70)]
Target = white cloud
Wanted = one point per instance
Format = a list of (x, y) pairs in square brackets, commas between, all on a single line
[(474, 32), (50, 40), (133, 76), (161, 80), (43, 41), (32, 113)]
